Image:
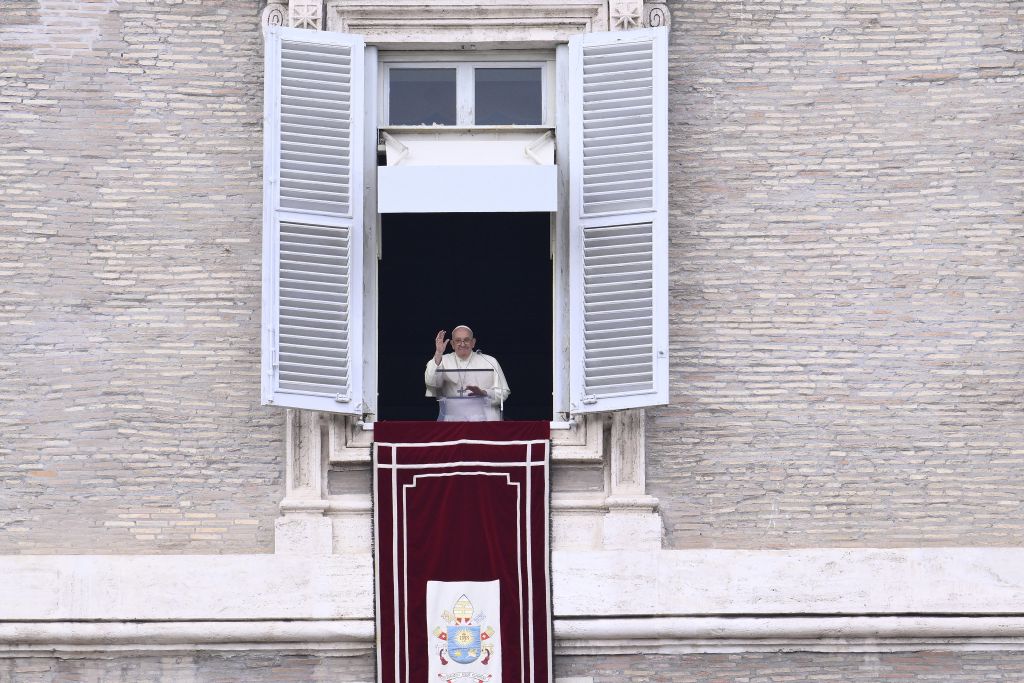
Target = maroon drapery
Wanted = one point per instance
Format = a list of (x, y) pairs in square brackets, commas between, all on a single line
[(461, 509)]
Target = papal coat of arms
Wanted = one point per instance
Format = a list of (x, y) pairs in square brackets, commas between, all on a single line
[(465, 643)]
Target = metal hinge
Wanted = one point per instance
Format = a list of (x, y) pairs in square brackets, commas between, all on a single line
[(589, 400)]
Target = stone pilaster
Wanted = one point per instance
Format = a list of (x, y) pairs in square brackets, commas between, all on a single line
[(632, 520), (302, 527)]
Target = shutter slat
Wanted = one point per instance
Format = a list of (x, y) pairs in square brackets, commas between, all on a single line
[(333, 353), (318, 371), (313, 359), (596, 134), (637, 170)]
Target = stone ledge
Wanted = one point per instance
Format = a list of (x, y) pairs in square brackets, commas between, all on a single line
[(654, 583), (572, 636)]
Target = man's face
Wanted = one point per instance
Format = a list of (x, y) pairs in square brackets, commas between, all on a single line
[(462, 343)]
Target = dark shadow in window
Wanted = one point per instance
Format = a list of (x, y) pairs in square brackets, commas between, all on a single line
[(489, 271)]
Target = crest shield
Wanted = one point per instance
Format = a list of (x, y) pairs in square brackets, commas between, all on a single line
[(464, 643)]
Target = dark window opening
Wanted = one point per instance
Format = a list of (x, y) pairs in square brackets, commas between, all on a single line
[(489, 271)]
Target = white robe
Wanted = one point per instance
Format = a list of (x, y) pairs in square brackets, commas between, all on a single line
[(446, 384)]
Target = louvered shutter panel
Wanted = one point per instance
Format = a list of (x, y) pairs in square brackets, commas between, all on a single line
[(618, 220), (312, 220)]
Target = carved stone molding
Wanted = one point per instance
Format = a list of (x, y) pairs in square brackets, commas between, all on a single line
[(408, 23), (305, 14), (274, 14), (656, 14), (625, 14), (412, 23)]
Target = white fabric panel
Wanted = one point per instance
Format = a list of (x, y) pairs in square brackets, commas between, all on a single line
[(312, 247), (485, 189), (463, 630), (618, 220)]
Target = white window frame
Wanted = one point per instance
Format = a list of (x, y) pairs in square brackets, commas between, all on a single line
[(465, 84), (552, 61)]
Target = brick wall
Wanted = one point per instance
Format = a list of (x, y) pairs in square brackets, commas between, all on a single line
[(130, 161), (847, 276)]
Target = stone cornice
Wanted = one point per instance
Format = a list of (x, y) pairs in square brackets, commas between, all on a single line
[(408, 24), (668, 601)]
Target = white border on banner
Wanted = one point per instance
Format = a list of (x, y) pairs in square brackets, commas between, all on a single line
[(519, 548)]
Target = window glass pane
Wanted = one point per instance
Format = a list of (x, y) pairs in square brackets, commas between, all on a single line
[(508, 96), (421, 96)]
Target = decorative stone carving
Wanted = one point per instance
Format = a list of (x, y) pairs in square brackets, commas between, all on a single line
[(625, 14), (432, 23), (305, 14), (274, 14), (656, 14)]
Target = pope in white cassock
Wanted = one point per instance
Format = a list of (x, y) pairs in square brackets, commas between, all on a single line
[(456, 378)]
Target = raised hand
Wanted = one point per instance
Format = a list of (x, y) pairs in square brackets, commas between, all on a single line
[(440, 344)]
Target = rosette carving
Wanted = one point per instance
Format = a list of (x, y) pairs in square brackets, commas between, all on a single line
[(305, 14)]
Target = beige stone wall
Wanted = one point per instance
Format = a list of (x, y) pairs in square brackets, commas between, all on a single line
[(847, 287), (130, 196)]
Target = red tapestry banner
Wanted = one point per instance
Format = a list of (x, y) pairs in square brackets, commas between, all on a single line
[(461, 547)]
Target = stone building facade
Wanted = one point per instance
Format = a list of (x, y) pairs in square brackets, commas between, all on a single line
[(835, 484)]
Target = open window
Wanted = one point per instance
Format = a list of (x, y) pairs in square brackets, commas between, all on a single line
[(491, 271), (603, 178)]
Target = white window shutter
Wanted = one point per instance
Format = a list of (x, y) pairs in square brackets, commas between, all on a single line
[(312, 220), (618, 220)]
